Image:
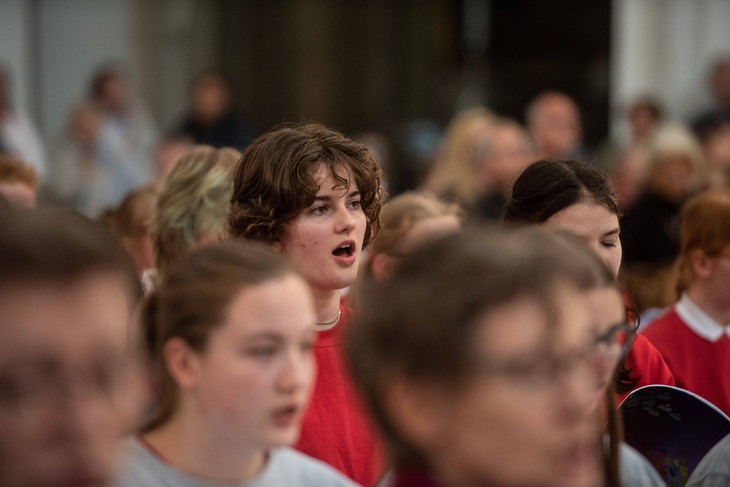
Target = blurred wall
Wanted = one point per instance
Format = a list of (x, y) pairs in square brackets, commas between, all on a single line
[(664, 47)]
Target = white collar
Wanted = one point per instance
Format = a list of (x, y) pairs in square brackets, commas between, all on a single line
[(698, 321)]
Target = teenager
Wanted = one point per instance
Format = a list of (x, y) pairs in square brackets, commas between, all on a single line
[(314, 196), (693, 334), (234, 339), (574, 196)]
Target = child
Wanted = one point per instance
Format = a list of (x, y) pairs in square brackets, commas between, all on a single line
[(234, 339)]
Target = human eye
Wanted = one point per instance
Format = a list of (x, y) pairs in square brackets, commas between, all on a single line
[(319, 210), (262, 352), (22, 384), (355, 204)]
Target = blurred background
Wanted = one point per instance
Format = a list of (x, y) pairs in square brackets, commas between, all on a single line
[(396, 71)]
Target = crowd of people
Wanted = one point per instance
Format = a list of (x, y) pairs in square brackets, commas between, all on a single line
[(221, 308)]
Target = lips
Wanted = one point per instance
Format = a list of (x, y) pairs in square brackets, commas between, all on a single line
[(287, 416), (345, 253), (345, 249)]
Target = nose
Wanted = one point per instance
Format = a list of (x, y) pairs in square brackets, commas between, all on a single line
[(578, 391), (345, 221), (297, 372)]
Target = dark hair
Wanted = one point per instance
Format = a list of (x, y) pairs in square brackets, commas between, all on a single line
[(402, 329), (59, 246), (193, 300), (550, 185), (274, 179)]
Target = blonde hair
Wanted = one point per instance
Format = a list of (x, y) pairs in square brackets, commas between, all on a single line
[(195, 198), (705, 227), (401, 213), (455, 171)]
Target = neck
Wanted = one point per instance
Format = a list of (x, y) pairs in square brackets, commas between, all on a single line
[(326, 304), (192, 446), (703, 298)]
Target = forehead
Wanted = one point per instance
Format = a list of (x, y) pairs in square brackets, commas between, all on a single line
[(585, 219), (63, 320), (325, 180), (527, 325), (280, 305)]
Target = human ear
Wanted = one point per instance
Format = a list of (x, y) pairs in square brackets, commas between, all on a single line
[(701, 264), (181, 362), (382, 266), (417, 410), (277, 246)]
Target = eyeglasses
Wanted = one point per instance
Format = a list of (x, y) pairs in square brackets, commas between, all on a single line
[(543, 370), (617, 339)]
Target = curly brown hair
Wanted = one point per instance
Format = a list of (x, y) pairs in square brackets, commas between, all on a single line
[(274, 180)]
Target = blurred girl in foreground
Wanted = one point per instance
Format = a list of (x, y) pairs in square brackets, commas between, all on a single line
[(234, 339)]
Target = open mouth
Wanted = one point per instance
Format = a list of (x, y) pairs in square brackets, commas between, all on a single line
[(344, 250)]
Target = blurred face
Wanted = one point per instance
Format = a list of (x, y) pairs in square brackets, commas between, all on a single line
[(67, 381), (510, 154), (595, 224), (210, 98), (253, 381), (556, 128), (525, 417), (608, 315), (324, 243), (717, 280), (672, 177)]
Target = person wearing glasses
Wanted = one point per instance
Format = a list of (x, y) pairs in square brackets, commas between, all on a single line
[(493, 383), (574, 196), (693, 335), (71, 378)]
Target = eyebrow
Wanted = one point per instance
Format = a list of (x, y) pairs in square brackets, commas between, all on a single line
[(264, 335), (615, 231), (352, 194)]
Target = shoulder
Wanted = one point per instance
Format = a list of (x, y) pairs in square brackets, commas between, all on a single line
[(139, 467), (636, 470), (294, 469), (658, 326)]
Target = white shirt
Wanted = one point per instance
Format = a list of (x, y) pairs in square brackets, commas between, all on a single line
[(698, 321)]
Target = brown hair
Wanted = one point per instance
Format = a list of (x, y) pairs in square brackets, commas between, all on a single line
[(193, 301), (59, 246), (402, 329), (274, 180), (706, 227), (135, 214), (193, 200)]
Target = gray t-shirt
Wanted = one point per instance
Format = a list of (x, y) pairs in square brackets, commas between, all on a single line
[(285, 467), (636, 471), (714, 469)]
